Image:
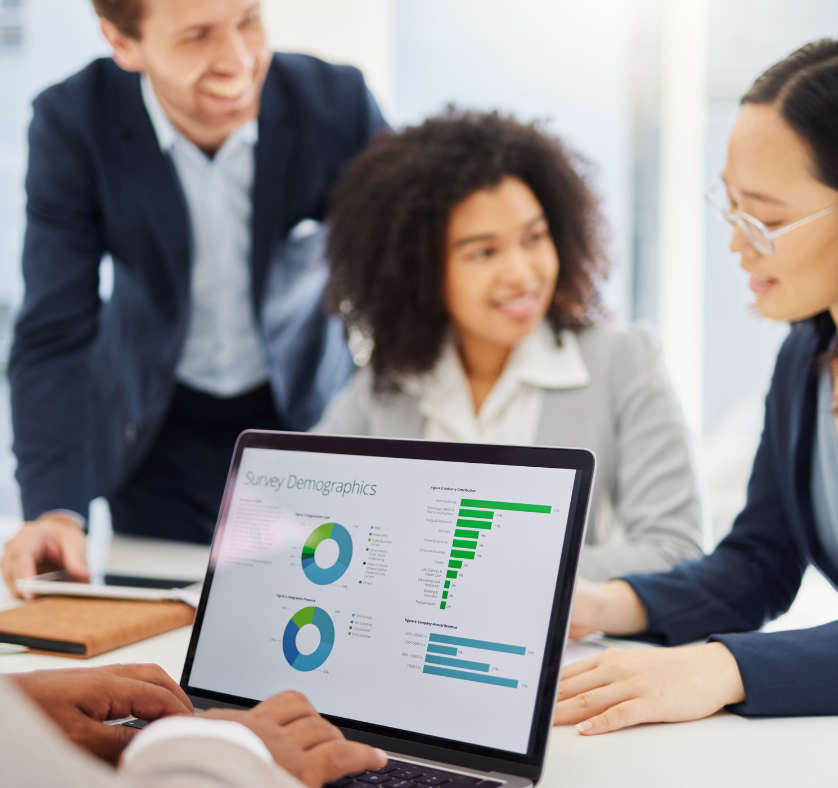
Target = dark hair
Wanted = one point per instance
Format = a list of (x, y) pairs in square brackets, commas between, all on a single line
[(804, 86), (389, 216), (125, 15)]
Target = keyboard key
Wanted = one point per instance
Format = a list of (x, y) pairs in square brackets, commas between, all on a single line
[(355, 774), (407, 773), (489, 784), (340, 782), (401, 784), (375, 779), (390, 767), (140, 724), (433, 779), (464, 778)]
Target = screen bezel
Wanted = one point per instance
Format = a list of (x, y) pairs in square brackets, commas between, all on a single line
[(527, 764)]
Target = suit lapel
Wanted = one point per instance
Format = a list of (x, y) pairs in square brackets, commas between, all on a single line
[(273, 180), (157, 186)]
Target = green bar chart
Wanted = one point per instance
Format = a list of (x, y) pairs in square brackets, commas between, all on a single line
[(505, 506), (474, 518)]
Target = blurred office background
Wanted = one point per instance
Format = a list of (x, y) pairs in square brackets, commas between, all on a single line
[(646, 89)]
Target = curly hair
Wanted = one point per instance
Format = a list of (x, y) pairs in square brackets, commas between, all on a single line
[(389, 217)]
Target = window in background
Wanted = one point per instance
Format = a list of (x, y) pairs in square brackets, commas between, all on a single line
[(11, 26)]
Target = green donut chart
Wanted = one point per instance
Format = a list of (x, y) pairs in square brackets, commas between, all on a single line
[(317, 574), (308, 615)]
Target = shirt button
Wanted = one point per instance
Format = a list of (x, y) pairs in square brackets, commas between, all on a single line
[(130, 433)]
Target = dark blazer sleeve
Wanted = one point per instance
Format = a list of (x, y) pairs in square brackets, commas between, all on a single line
[(787, 674), (750, 578), (755, 572), (49, 362)]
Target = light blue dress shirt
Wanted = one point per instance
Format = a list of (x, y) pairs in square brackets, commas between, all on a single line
[(825, 471), (223, 354)]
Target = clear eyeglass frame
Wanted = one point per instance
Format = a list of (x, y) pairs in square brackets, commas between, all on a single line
[(758, 235)]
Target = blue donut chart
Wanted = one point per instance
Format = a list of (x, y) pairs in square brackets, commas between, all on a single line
[(317, 574), (308, 615)]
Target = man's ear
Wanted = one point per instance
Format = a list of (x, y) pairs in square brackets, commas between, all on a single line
[(126, 50)]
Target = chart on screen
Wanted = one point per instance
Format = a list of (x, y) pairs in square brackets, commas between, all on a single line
[(363, 580)]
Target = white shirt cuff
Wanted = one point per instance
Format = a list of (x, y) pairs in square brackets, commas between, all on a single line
[(79, 520), (197, 728)]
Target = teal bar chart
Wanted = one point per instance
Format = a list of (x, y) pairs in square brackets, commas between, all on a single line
[(466, 669)]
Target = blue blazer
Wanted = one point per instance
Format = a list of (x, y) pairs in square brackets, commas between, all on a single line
[(755, 572), (91, 382)]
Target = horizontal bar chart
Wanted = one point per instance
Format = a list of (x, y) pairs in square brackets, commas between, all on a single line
[(483, 524), (461, 533), (465, 554), (482, 678), (476, 513), (466, 543), (487, 645), (503, 506), (455, 564), (449, 651), (457, 663)]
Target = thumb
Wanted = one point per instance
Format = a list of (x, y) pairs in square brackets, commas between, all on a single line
[(338, 757), (105, 741), (73, 553)]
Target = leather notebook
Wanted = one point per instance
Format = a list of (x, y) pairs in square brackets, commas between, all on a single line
[(82, 628)]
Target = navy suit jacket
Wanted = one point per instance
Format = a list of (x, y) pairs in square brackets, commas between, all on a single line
[(91, 382), (755, 572)]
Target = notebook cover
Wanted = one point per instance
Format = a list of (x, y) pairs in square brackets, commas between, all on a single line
[(82, 628)]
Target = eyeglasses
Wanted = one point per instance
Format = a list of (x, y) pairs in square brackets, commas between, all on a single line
[(758, 235)]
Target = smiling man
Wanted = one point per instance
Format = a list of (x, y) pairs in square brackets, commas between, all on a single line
[(192, 158)]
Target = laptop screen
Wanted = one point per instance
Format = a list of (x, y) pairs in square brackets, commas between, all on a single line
[(407, 593)]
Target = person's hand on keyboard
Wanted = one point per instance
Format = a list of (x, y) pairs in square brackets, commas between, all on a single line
[(301, 741), (80, 700)]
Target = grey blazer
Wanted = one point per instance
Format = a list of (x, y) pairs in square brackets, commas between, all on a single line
[(34, 754), (646, 513)]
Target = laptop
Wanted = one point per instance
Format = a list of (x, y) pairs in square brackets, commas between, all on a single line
[(418, 593)]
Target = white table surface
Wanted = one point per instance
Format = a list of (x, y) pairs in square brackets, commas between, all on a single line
[(723, 750)]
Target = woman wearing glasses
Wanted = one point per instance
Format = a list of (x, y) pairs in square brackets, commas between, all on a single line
[(781, 189)]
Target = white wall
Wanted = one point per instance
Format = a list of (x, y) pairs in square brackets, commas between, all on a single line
[(357, 32), (60, 36), (565, 61)]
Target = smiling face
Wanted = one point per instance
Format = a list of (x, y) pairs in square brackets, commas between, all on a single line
[(501, 265), (207, 61), (768, 175)]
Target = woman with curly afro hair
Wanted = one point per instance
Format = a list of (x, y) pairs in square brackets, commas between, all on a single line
[(468, 251)]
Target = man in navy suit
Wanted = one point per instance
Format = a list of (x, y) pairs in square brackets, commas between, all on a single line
[(193, 159)]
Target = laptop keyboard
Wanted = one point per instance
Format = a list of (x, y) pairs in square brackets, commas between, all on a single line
[(396, 774), (399, 774)]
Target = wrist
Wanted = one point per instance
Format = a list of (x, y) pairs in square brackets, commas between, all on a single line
[(730, 684), (622, 612), (62, 517)]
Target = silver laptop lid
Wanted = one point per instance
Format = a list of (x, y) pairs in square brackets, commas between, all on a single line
[(417, 592)]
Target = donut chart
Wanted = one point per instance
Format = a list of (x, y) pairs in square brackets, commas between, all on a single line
[(308, 615), (317, 574)]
